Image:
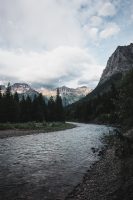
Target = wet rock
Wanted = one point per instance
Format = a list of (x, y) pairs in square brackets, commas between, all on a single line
[(94, 150), (100, 153)]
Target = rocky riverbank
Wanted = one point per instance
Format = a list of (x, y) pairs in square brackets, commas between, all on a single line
[(111, 178)]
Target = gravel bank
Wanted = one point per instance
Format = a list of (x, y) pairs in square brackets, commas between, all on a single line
[(111, 177)]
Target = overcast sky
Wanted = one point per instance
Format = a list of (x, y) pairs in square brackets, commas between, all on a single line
[(61, 42)]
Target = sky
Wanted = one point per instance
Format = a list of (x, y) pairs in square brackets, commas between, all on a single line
[(61, 42)]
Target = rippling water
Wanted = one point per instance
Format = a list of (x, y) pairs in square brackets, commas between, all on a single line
[(47, 166)]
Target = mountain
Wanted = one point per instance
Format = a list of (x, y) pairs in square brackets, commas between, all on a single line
[(120, 62), (99, 104), (23, 89), (69, 95), (20, 88)]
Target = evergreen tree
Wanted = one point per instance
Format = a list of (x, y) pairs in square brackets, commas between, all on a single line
[(1, 113), (125, 102), (28, 109), (51, 109), (23, 107), (39, 108), (17, 107), (16, 97), (0, 93), (8, 104), (59, 108)]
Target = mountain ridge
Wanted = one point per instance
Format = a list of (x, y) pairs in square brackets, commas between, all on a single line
[(69, 95)]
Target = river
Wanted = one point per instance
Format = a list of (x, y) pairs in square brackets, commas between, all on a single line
[(47, 166)]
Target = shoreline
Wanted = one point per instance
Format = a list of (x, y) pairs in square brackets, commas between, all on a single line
[(110, 178), (23, 132)]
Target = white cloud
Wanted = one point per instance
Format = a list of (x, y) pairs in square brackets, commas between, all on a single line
[(49, 24), (39, 24), (92, 32), (107, 9), (96, 21), (68, 64), (46, 40), (110, 30)]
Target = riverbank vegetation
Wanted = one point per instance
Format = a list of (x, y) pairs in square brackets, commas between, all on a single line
[(46, 126), (28, 128)]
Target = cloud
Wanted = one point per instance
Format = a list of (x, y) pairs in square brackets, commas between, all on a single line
[(38, 24), (96, 21), (110, 30), (92, 32), (61, 65), (49, 42), (91, 83), (107, 9)]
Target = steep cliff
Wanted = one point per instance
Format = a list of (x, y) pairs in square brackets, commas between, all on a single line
[(120, 62)]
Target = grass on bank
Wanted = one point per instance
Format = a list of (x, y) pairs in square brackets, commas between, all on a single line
[(44, 126)]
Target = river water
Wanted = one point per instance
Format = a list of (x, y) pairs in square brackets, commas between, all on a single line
[(47, 166)]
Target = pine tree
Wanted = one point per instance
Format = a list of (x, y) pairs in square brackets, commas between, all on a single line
[(23, 117), (0, 93), (38, 108), (1, 113), (59, 108), (125, 102), (8, 105), (17, 107), (51, 109), (28, 109)]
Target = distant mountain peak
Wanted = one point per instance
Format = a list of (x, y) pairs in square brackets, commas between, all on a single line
[(69, 95), (20, 88)]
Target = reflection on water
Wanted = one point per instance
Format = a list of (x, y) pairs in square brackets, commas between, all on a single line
[(47, 166)]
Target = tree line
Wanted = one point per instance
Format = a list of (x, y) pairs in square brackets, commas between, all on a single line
[(14, 109)]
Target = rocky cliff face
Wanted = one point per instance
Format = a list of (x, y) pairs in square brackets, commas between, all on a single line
[(120, 61)]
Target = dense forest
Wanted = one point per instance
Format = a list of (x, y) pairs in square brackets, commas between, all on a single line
[(14, 109), (113, 106)]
